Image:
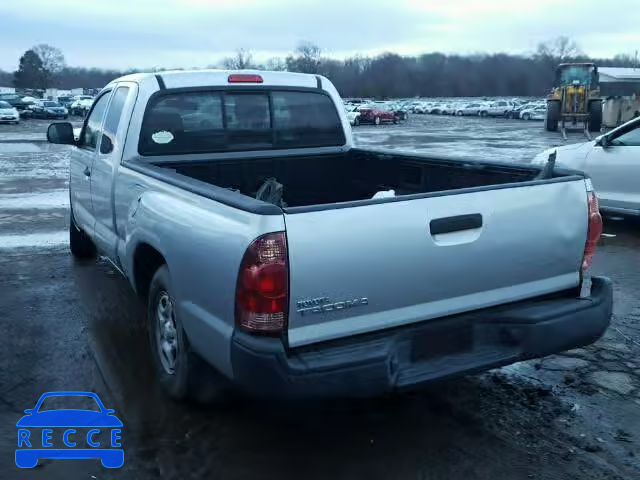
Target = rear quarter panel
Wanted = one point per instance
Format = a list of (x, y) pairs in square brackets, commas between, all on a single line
[(202, 241)]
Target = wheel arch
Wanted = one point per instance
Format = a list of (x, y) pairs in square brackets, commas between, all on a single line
[(146, 261)]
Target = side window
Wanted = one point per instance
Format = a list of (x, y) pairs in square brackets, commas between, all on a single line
[(91, 131), (113, 120), (628, 139)]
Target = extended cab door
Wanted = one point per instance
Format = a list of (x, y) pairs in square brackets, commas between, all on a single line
[(81, 163), (615, 169), (105, 165)]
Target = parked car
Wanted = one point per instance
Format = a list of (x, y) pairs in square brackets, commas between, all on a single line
[(48, 109), (535, 113), (81, 106), (353, 114), (8, 113), (400, 112), (274, 265), (376, 116), (447, 109), (517, 110), (469, 109), (612, 161), (66, 101), (498, 108), (422, 108), (15, 101)]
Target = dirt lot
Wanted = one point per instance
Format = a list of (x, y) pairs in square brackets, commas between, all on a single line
[(75, 326)]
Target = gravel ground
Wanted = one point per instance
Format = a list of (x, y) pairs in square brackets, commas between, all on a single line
[(71, 325)]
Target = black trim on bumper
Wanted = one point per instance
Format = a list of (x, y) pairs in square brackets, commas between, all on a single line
[(408, 356)]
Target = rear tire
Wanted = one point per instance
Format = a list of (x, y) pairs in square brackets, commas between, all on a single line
[(80, 244), (553, 116), (181, 372), (595, 115)]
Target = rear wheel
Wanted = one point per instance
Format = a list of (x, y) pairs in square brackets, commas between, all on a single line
[(484, 114), (376, 120), (80, 244), (595, 115), (526, 116), (181, 372), (356, 122), (553, 116)]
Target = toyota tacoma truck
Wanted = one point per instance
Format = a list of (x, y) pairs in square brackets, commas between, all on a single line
[(275, 256)]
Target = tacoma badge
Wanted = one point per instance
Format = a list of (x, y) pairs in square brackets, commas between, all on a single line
[(324, 304)]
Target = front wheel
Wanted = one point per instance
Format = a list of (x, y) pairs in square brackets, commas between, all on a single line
[(80, 244), (526, 116), (181, 373), (376, 121), (552, 117), (595, 115), (356, 122)]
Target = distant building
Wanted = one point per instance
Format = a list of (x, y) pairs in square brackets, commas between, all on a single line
[(7, 90), (620, 88)]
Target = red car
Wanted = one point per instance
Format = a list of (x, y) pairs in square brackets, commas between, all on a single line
[(376, 116)]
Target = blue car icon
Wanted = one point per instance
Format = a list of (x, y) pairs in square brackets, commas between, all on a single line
[(31, 448)]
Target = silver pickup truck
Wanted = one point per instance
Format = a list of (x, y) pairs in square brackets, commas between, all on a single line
[(275, 256)]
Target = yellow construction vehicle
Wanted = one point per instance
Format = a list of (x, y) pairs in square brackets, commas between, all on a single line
[(576, 99)]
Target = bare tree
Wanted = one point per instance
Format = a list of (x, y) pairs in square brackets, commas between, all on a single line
[(306, 58), (276, 64), (243, 59), (52, 62), (559, 49)]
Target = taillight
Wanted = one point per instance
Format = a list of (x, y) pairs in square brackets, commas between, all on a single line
[(262, 292), (594, 230), (244, 78)]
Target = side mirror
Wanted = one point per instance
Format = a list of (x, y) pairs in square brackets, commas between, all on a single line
[(603, 141), (106, 145), (61, 132)]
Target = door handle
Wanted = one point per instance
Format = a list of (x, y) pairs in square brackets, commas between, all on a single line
[(87, 172), (457, 223)]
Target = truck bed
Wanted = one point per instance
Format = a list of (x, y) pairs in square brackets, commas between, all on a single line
[(458, 236), (355, 175)]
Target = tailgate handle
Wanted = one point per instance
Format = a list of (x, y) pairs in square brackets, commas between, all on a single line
[(442, 225)]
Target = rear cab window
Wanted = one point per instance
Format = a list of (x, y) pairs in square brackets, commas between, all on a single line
[(186, 122)]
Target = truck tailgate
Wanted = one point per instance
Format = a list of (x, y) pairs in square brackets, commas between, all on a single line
[(371, 267)]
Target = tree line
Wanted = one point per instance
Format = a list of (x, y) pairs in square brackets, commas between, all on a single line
[(384, 76)]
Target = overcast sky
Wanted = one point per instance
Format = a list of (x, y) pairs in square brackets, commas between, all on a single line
[(195, 33)]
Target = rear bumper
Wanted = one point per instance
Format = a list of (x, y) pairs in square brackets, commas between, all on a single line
[(410, 356)]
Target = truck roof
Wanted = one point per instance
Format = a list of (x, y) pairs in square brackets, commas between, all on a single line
[(212, 77)]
